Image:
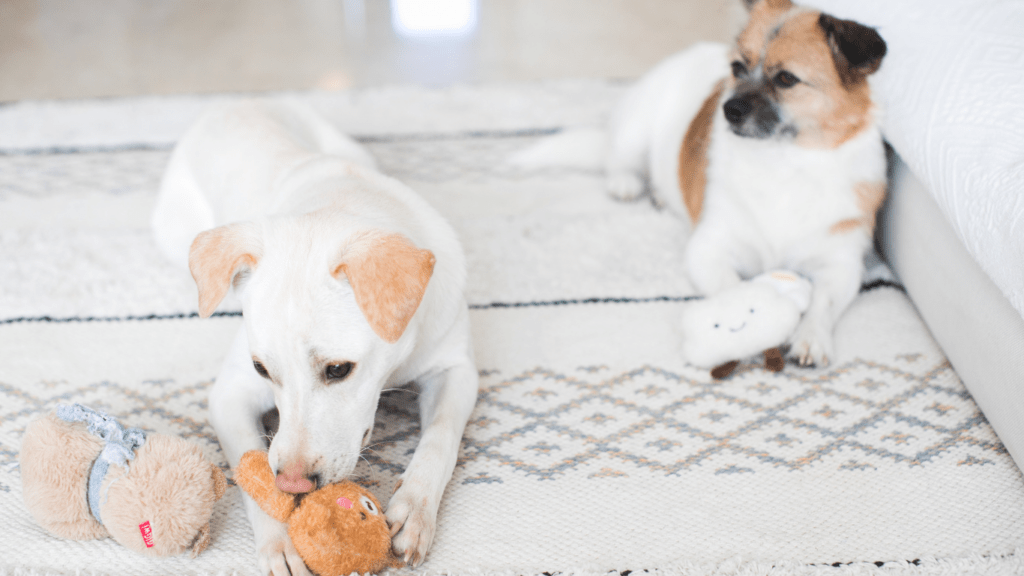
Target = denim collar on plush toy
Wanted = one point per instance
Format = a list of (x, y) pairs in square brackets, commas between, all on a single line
[(119, 448)]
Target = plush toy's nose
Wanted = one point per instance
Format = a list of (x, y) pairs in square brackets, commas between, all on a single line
[(292, 478)]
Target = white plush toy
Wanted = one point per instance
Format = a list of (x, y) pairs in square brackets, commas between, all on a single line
[(755, 316)]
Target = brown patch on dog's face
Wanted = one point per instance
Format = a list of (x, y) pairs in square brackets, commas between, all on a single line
[(801, 75)]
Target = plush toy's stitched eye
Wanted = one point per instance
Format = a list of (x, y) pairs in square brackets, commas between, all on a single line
[(368, 504), (338, 372), (260, 369)]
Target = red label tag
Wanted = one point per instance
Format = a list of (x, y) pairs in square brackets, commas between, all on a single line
[(147, 533)]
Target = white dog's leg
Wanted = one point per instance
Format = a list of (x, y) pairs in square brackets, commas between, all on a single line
[(628, 146), (238, 401), (835, 286), (446, 401), (709, 263)]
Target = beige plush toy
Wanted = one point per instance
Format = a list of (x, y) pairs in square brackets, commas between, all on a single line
[(84, 476)]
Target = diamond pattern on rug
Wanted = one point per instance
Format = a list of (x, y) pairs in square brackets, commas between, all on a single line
[(548, 425)]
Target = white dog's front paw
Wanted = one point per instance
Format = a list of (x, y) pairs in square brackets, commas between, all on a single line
[(277, 555), (811, 345), (412, 516), (625, 186)]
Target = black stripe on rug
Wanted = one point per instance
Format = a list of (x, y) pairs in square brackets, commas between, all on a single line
[(130, 318), (876, 284), (866, 287), (579, 301), (364, 138)]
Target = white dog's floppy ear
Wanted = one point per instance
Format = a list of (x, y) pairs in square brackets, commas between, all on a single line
[(388, 275), (219, 254)]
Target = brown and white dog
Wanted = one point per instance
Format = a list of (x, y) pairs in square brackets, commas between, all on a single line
[(779, 164)]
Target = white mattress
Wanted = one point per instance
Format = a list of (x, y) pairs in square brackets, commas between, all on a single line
[(952, 87), (979, 331)]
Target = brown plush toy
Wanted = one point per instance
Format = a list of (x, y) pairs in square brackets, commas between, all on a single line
[(84, 476), (338, 529)]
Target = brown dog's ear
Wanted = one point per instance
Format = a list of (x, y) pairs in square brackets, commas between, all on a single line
[(388, 276), (857, 50), (217, 255)]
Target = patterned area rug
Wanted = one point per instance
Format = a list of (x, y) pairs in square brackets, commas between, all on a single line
[(593, 447)]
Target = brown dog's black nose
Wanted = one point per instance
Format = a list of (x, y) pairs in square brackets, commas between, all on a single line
[(736, 109)]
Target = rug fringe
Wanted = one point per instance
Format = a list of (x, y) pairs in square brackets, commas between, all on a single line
[(974, 565)]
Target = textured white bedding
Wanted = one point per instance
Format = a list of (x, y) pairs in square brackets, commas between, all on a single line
[(952, 86)]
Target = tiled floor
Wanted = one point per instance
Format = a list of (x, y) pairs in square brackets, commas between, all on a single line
[(92, 48)]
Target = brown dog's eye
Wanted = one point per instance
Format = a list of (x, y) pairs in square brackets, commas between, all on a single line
[(785, 79), (738, 69), (338, 372), (260, 369)]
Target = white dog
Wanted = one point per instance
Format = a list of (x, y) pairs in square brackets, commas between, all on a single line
[(778, 165), (350, 283)]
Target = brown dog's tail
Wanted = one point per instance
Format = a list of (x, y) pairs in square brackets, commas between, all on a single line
[(253, 475)]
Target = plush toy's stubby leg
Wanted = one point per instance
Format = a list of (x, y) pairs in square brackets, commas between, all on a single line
[(719, 372), (237, 402), (773, 360), (446, 401)]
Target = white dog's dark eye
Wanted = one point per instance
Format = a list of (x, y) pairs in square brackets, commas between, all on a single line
[(260, 369), (716, 325), (785, 79), (368, 504), (738, 69), (751, 310), (339, 371)]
